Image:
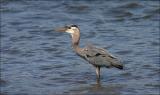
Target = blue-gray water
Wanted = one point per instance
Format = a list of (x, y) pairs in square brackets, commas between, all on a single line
[(36, 60)]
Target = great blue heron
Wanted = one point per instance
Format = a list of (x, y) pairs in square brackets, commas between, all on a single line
[(98, 57)]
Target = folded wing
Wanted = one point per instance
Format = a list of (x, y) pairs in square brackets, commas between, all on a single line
[(100, 57)]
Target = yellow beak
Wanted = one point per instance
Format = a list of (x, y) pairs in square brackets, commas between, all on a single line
[(61, 29)]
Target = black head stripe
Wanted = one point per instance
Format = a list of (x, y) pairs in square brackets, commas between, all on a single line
[(74, 26)]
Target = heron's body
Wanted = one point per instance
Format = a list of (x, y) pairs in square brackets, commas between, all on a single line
[(98, 57)]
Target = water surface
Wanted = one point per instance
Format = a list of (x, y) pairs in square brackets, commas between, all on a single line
[(36, 60)]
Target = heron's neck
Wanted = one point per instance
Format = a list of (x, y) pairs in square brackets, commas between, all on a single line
[(75, 41)]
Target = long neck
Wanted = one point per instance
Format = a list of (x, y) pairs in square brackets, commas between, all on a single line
[(75, 41)]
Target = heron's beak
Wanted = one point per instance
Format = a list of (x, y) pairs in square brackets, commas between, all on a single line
[(61, 29)]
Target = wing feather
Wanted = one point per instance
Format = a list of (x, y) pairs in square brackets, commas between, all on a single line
[(99, 56)]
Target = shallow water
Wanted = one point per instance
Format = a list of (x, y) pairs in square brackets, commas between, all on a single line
[(36, 60)]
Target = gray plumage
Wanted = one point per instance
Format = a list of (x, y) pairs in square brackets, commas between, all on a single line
[(98, 57)]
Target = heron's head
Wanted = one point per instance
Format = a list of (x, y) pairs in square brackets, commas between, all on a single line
[(71, 29)]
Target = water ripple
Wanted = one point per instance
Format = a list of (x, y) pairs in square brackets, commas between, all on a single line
[(38, 60)]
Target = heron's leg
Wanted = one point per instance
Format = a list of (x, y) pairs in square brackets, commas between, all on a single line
[(98, 72)]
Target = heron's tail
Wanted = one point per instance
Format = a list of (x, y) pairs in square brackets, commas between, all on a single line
[(117, 65)]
